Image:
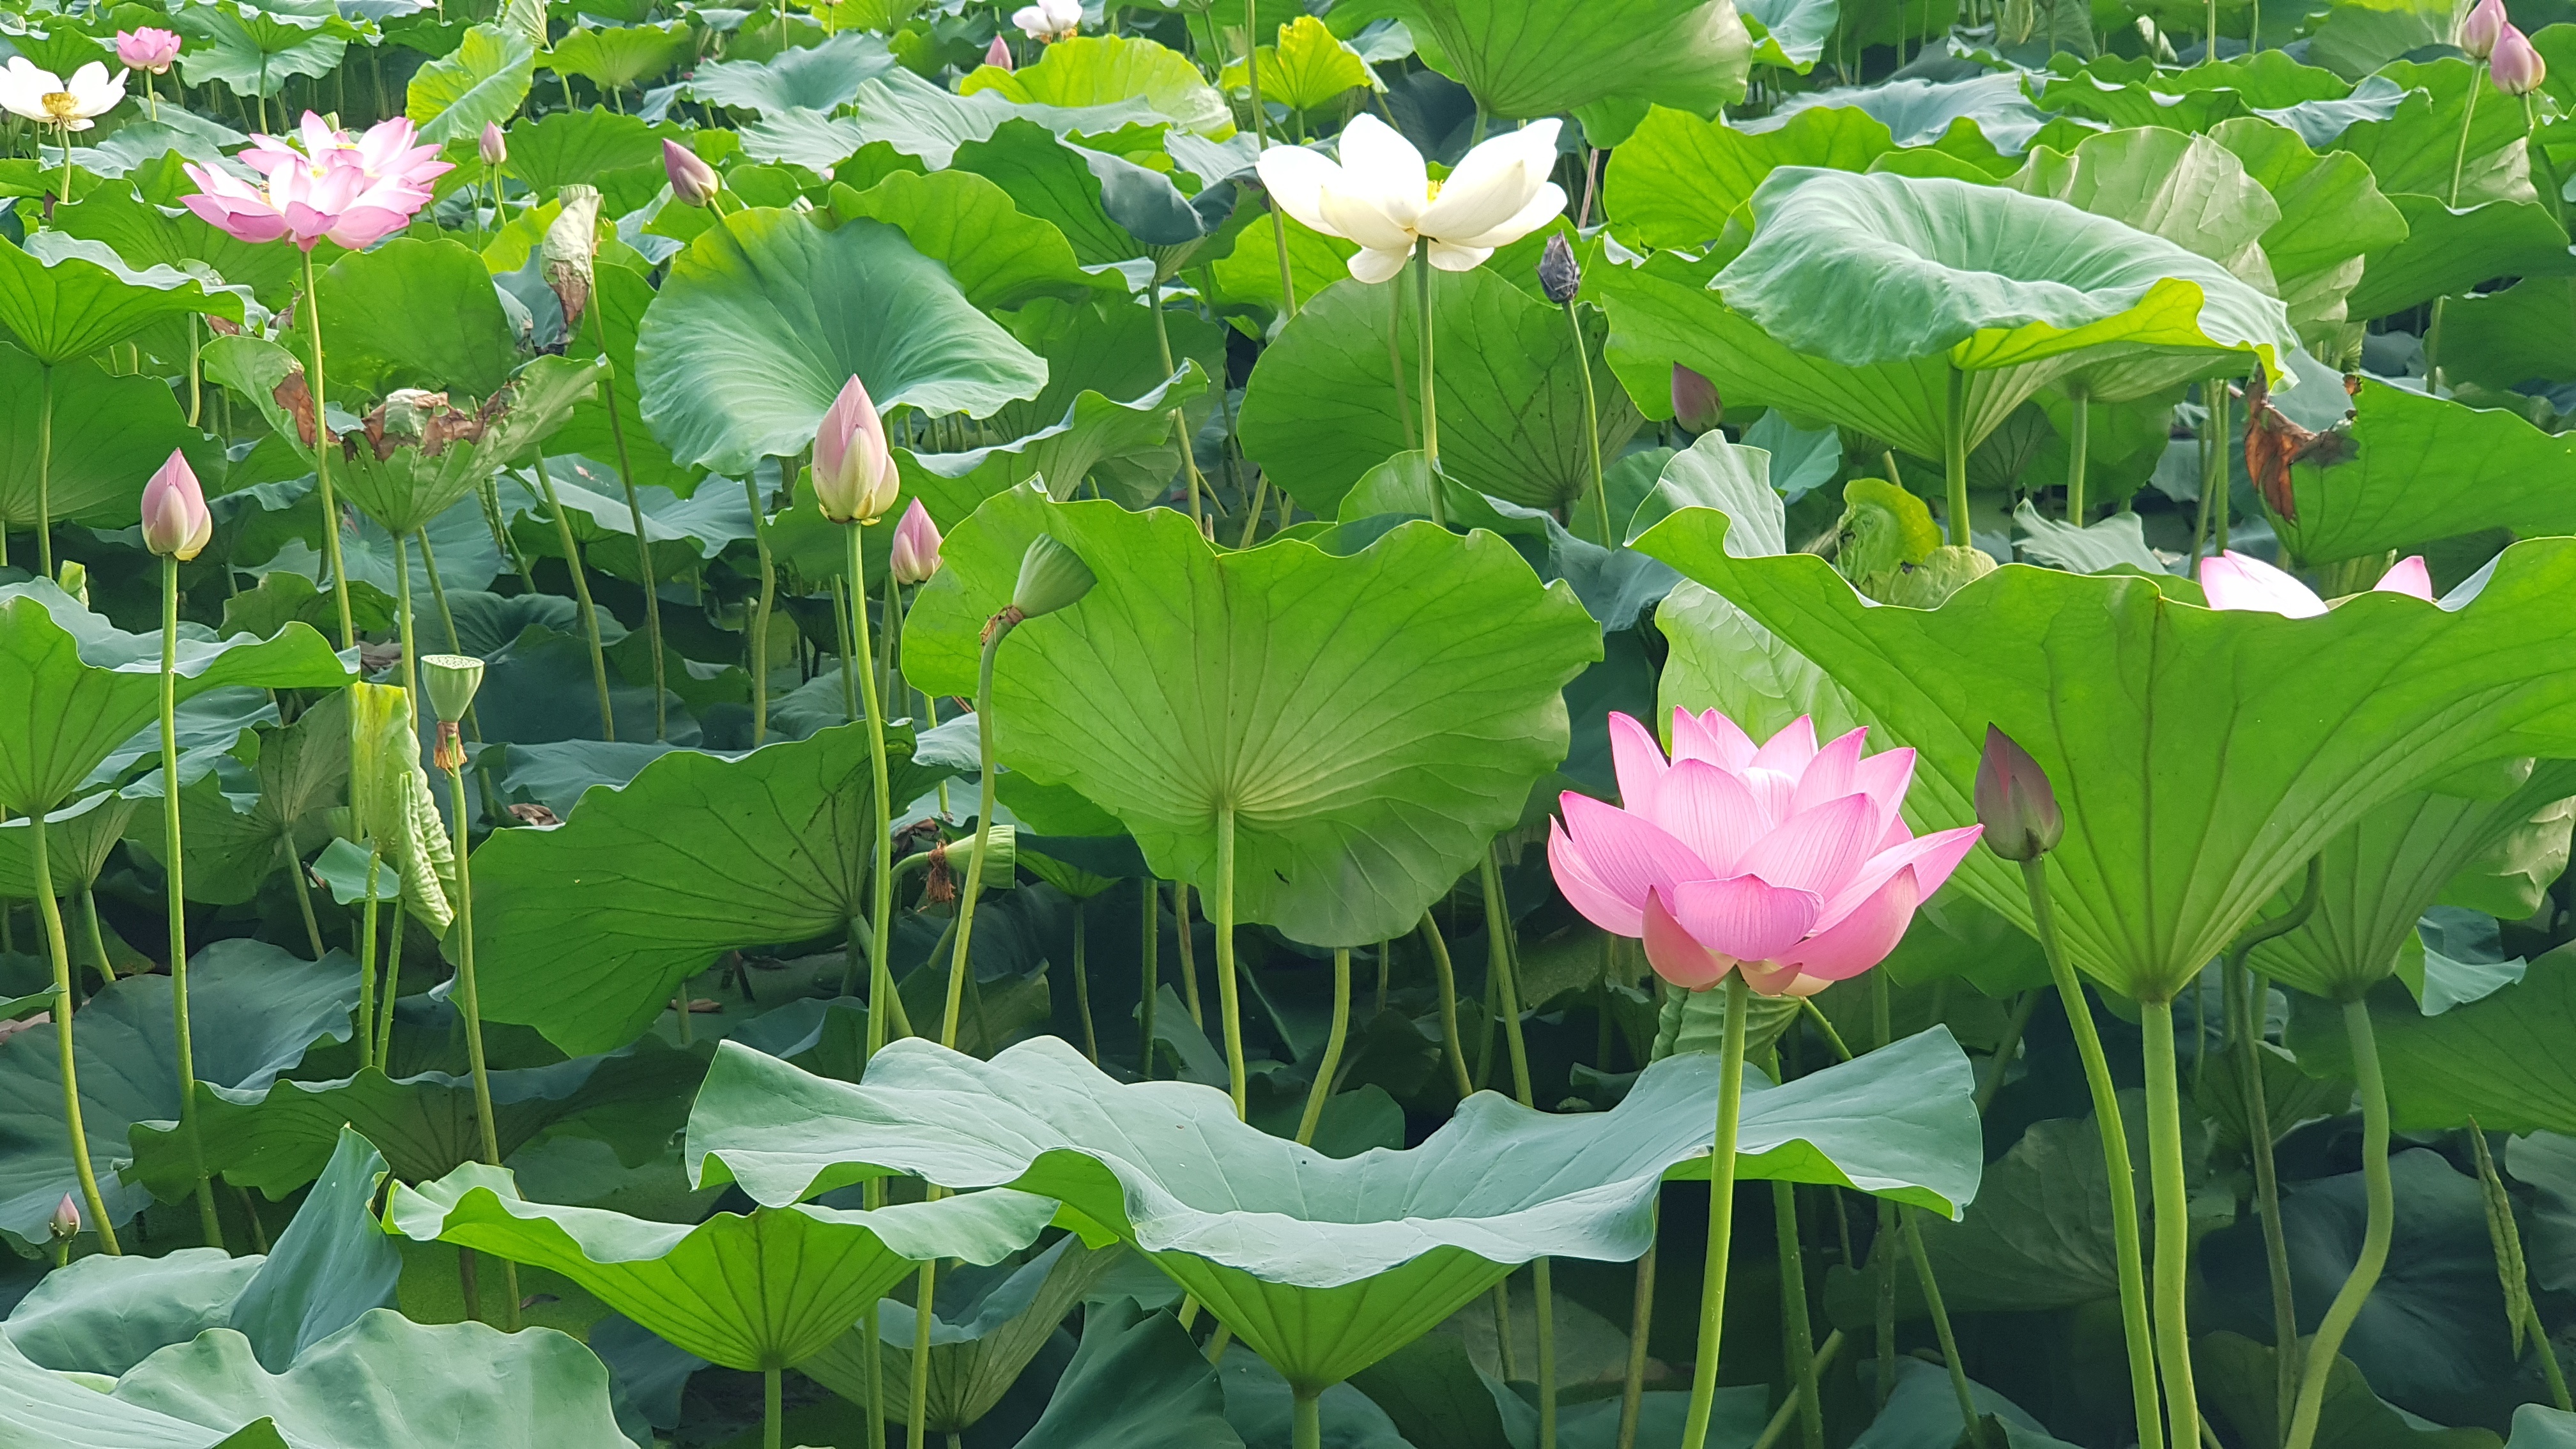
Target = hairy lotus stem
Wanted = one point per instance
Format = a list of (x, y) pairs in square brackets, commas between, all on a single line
[(1941, 1328), (1498, 965), (1883, 1246), (1151, 979), (881, 903), (2459, 166), (1801, 1344), (294, 861), (635, 517), (322, 457), (2379, 1224), (996, 629), (1305, 1420), (760, 612), (451, 758), (2173, 1224), (1641, 1318), (1592, 427), (1395, 361), (1430, 401), (2115, 1157), (211, 1225), (1229, 991), (52, 913), (2079, 440), (1082, 990), (410, 649), (367, 969), (772, 1414), (1721, 1216), (1954, 457), (44, 471), (581, 596), (1180, 421), (1332, 1059), (1447, 980), (2245, 1011)]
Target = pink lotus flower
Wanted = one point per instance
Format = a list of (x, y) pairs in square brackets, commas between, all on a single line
[(175, 520), (384, 153), (2234, 581), (915, 554), (2516, 67), (147, 49), (1785, 860), (354, 192), (998, 53)]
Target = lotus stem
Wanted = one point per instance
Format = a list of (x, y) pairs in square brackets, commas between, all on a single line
[(2005, 1049), (2245, 996), (1592, 427), (994, 633), (52, 912), (471, 1005), (875, 1198), (2379, 1223), (589, 610), (1447, 979), (772, 1413), (1954, 457), (2214, 488), (1801, 1345), (1883, 1244), (2078, 442), (410, 650), (1180, 420), (322, 452), (1151, 980), (1498, 964), (303, 891), (881, 901), (1395, 361), (367, 968), (1941, 1328), (94, 938), (920, 1374), (1306, 1420), (1333, 1039), (635, 517), (1778, 1428), (2173, 1225), (1641, 1318), (489, 492), (44, 469), (196, 370), (841, 642), (1082, 990), (1189, 954), (760, 613), (174, 875), (889, 687), (2115, 1157), (1229, 993), (1721, 1214), (1430, 399)]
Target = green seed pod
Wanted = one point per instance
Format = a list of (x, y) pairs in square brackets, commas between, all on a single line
[(452, 680)]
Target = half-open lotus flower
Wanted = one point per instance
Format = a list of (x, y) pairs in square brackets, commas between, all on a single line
[(1049, 19), (49, 100), (2234, 581), (356, 193), (1382, 196), (1783, 860), (147, 48)]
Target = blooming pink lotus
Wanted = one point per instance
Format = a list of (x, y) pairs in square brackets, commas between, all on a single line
[(1783, 859), (384, 153), (2234, 581), (147, 49)]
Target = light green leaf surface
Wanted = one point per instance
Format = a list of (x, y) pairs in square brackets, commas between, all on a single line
[(481, 82)]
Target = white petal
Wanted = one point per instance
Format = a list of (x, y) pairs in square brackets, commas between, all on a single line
[(1451, 257), (1382, 166), (1547, 205), (1492, 183), (1296, 178), (1371, 265)]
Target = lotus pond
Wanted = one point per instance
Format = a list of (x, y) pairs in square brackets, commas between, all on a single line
[(1409, 724)]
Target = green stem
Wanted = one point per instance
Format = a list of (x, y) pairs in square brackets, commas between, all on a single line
[(2173, 1224), (64, 135), (921, 1318), (1229, 993), (1261, 143), (1954, 456), (322, 456), (1793, 1313), (171, 867), (1641, 1319), (760, 613), (1498, 965), (1721, 1212), (773, 1416), (45, 470), (1592, 424), (367, 968), (2379, 1222), (403, 623), (2459, 165), (1150, 978), (1395, 361), (1082, 990), (1429, 376), (1446, 977), (2077, 454), (635, 517), (2001, 1063), (1941, 1329), (303, 890), (2115, 1158), (1883, 1245), (2220, 477), (1189, 954), (590, 611), (1306, 1420), (471, 1005), (875, 1197), (1180, 421), (52, 912), (994, 633), (1333, 1039)]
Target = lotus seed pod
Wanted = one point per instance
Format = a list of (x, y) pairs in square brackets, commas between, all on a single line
[(452, 680)]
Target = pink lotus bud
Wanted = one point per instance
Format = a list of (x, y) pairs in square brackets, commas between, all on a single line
[(998, 53), (2517, 68), (2014, 801), (494, 147), (915, 556), (65, 1224), (2479, 31), (175, 520), (854, 476), (147, 49), (1696, 405), (693, 181)]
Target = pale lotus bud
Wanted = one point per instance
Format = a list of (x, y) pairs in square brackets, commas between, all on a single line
[(175, 520), (2479, 31), (494, 146), (854, 476), (65, 1224), (72, 577), (147, 49), (566, 252), (2014, 801), (452, 681), (998, 53), (1558, 275), (1052, 577), (2517, 68), (693, 181), (915, 556), (1696, 405)]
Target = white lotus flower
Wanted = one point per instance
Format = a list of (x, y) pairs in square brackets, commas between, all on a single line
[(47, 99), (1381, 196), (1049, 19)]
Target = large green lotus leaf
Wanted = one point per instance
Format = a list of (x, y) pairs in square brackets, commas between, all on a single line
[(387, 1383), (254, 49), (810, 78), (2379, 877), (78, 840), (921, 118), (1975, 124), (50, 1408), (63, 298), (2416, 149), (84, 686), (585, 145), (1526, 60), (331, 1266), (2506, 338), (2493, 1059), (2332, 217), (1138, 1381), (1109, 347), (2201, 756), (414, 313), (1109, 208), (256, 1009), (1678, 180), (1791, 34), (2410, 469), (1325, 1265), (617, 56), (2450, 250), (110, 433), (1371, 719), (104, 1314), (1000, 255), (953, 485), (584, 932), (618, 300), (1878, 269), (1320, 409), (481, 82), (762, 1291), (1098, 70), (407, 490), (765, 316), (2239, 1377), (146, 236)]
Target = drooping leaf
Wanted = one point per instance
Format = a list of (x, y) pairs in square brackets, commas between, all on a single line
[(1308, 67), (331, 1266), (481, 82), (254, 49), (408, 489)]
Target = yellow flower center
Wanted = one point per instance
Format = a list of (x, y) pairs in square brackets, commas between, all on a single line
[(61, 106), (1435, 192)]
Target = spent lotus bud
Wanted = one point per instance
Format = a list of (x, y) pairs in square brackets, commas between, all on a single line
[(452, 680), (175, 520), (2478, 33), (1558, 275), (1696, 405), (148, 49), (65, 1224), (693, 181), (1052, 577), (494, 146), (915, 555), (567, 250), (998, 54), (854, 476), (2517, 68), (2014, 801)]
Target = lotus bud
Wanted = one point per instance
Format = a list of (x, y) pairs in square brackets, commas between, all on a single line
[(915, 556), (998, 54), (175, 521), (854, 475), (2517, 68), (693, 181), (2014, 802), (65, 1224), (1696, 405), (72, 577), (147, 49), (2478, 33), (1052, 577), (1558, 275), (495, 148), (567, 250)]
